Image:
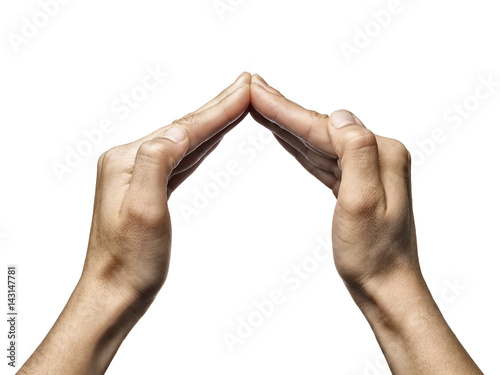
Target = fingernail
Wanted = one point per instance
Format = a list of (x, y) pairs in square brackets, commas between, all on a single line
[(341, 118), (176, 134)]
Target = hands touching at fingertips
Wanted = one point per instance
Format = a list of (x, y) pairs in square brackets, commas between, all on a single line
[(373, 232)]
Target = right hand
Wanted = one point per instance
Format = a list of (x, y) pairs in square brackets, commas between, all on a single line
[(130, 239)]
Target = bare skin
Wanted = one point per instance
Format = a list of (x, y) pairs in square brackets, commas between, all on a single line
[(374, 239), (373, 231), (129, 248)]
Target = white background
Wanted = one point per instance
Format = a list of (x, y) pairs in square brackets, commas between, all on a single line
[(424, 62)]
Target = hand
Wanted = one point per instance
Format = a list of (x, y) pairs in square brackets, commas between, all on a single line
[(373, 231), (129, 247)]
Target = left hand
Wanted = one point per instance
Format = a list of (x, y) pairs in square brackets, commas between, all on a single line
[(373, 232)]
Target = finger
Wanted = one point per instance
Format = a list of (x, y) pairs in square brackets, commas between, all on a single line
[(190, 163), (276, 128), (187, 167), (242, 78), (326, 163), (113, 176), (308, 125), (156, 158), (198, 153), (201, 126), (327, 178), (358, 152), (395, 168), (176, 179), (257, 78)]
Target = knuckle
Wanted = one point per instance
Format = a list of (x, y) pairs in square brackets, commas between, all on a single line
[(152, 149), (100, 161), (360, 139), (317, 116), (111, 159), (144, 216), (400, 149), (400, 155), (366, 204), (187, 121), (335, 167)]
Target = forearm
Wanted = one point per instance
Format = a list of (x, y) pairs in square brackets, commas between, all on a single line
[(86, 335), (411, 330)]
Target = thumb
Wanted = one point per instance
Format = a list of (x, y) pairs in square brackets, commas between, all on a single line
[(154, 162), (357, 149)]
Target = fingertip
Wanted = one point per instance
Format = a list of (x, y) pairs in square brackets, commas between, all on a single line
[(244, 77), (341, 118), (178, 136), (258, 78), (260, 97), (240, 95), (245, 88)]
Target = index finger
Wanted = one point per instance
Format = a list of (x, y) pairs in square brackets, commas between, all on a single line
[(308, 125), (244, 77), (203, 125)]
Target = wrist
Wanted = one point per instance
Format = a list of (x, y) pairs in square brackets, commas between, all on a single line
[(106, 316), (406, 320), (397, 304), (135, 285), (87, 334), (401, 312), (114, 297)]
